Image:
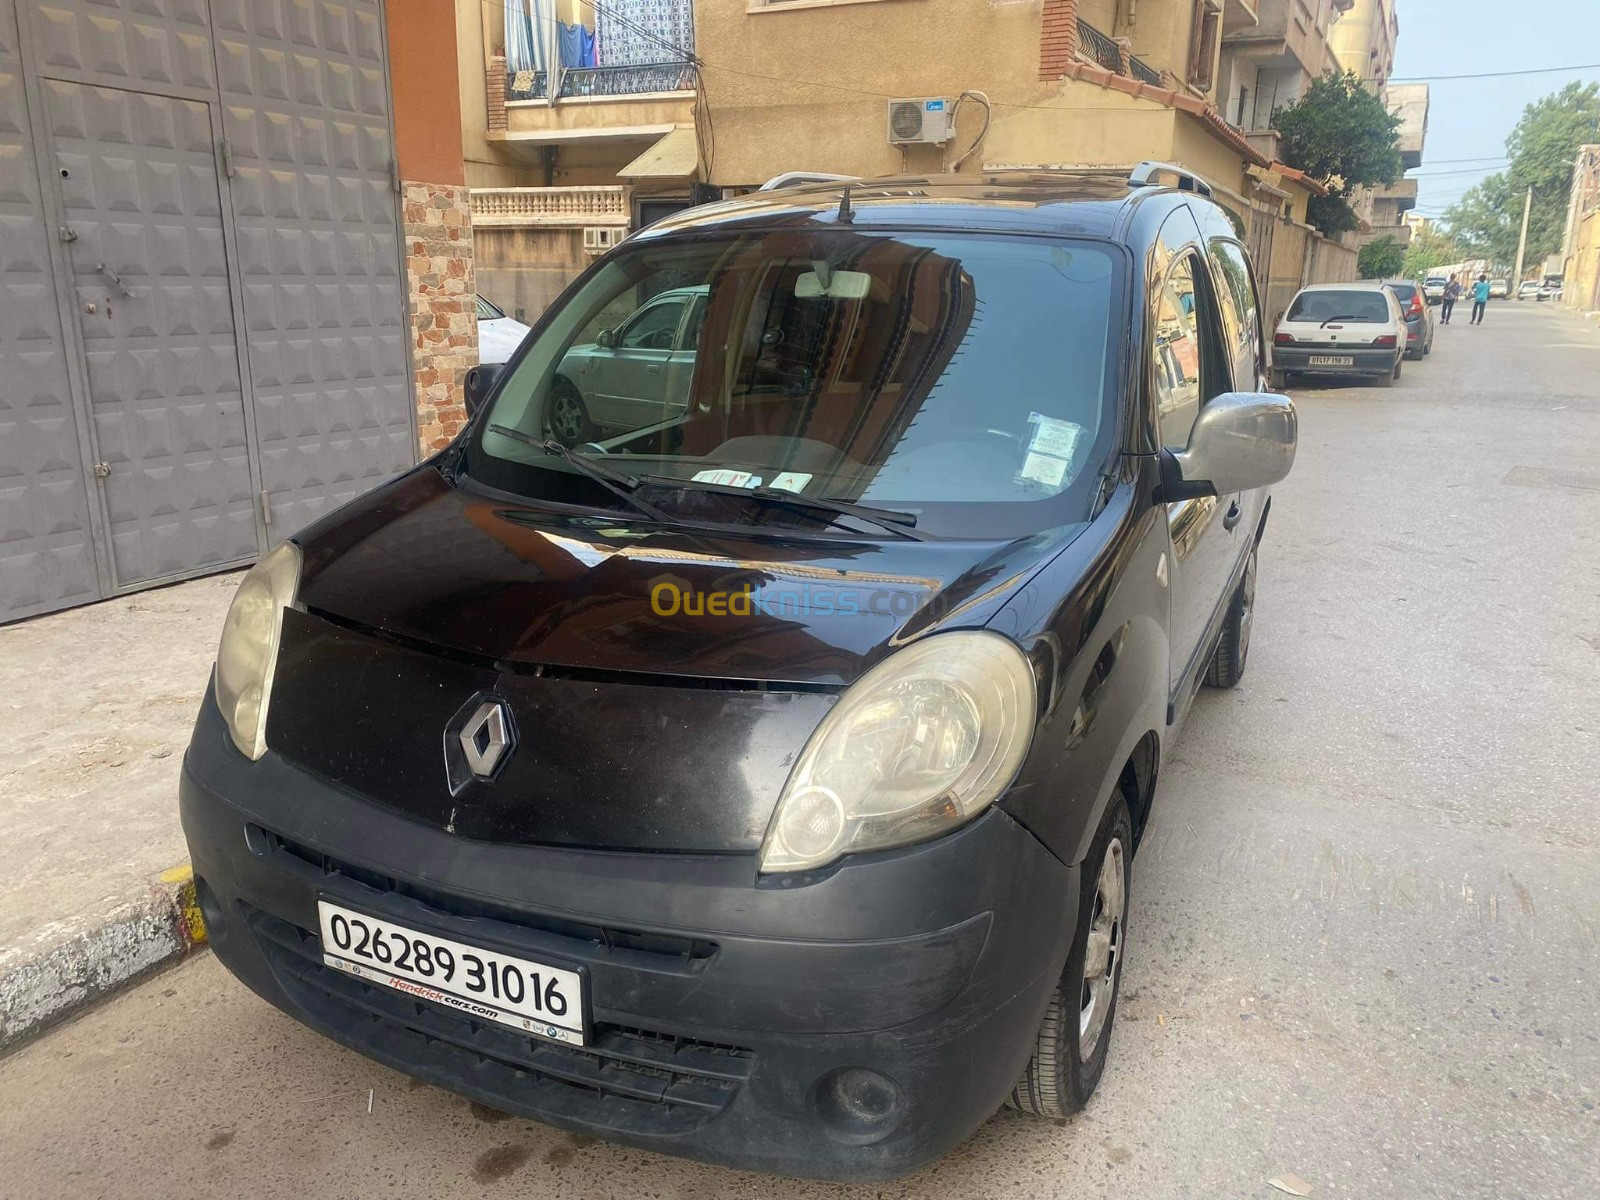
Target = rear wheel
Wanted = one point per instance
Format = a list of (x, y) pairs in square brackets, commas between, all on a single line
[(1278, 380), (1227, 663), (1069, 1053)]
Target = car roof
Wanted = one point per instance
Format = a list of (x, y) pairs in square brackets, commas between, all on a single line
[(1088, 202), (1355, 285)]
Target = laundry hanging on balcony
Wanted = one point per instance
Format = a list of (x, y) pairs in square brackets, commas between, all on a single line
[(635, 32), (577, 45)]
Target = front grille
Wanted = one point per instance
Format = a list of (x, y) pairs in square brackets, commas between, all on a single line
[(630, 1080), (655, 951)]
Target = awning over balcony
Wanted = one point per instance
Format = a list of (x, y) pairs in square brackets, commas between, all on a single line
[(675, 156)]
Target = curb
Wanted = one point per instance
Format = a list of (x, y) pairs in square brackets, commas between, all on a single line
[(135, 938)]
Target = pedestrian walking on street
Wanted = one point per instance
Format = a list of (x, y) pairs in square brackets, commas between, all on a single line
[(1480, 299), (1452, 293)]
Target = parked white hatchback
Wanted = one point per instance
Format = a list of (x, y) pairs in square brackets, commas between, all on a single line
[(498, 335), (1341, 329)]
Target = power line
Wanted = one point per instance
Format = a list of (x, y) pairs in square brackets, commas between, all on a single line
[(1491, 74)]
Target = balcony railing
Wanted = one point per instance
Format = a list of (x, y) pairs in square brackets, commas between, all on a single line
[(1143, 71), (632, 80), (603, 204), (1099, 47), (1108, 53)]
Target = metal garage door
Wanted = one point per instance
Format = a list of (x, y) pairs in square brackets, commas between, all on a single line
[(222, 355), (46, 549)]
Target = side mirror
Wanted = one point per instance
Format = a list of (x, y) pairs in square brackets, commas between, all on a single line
[(1240, 441), (605, 339), (479, 383)]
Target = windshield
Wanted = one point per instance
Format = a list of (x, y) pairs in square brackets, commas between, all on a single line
[(1356, 307), (962, 379), (1407, 292)]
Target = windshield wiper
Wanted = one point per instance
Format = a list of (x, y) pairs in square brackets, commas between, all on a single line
[(892, 520), (1347, 317), (618, 483)]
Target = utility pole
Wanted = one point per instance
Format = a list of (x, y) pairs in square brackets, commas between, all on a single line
[(1522, 245)]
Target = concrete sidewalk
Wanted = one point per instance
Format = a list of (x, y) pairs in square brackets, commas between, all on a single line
[(96, 706)]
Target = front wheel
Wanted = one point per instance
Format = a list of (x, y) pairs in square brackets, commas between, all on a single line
[(1069, 1053), (1227, 663), (568, 420)]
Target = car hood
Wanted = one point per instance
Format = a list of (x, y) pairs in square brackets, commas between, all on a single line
[(439, 564), (498, 339)]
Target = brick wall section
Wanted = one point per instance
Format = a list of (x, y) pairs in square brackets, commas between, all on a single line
[(495, 92), (444, 313), (1058, 37)]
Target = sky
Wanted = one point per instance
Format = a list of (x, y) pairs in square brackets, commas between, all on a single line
[(1470, 118)]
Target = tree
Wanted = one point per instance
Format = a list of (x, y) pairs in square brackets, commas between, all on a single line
[(1429, 248), (1342, 136), (1488, 219), (1381, 258)]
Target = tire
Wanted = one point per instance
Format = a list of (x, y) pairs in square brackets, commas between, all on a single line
[(1063, 1070), (1278, 380), (568, 418), (1233, 648), (1385, 380)]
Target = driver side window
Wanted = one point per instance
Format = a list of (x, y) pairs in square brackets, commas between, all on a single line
[(1185, 363), (654, 328)]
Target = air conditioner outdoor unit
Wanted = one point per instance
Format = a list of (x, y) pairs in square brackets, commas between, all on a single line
[(917, 122), (597, 239)]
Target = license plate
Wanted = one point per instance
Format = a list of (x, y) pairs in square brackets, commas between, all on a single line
[(531, 996), (1332, 360)]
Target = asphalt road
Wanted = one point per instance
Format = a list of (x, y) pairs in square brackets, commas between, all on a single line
[(1364, 926)]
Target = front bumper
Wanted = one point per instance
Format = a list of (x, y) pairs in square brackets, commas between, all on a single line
[(721, 1003), (1364, 360)]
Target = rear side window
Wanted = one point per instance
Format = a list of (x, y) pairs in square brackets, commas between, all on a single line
[(1360, 308), (1404, 291)]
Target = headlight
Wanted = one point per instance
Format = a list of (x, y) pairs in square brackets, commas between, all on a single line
[(920, 744), (249, 648)]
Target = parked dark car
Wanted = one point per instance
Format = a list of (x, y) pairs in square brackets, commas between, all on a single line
[(1419, 317), (761, 783)]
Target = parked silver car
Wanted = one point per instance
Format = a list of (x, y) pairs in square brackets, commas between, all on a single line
[(635, 375)]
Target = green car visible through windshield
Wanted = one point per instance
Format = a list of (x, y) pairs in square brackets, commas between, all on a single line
[(960, 383)]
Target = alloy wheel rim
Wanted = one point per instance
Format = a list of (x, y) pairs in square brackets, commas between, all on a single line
[(565, 418), (1102, 957)]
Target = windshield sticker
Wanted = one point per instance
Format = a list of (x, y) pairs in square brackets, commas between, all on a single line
[(1053, 436), (790, 481), (1044, 470), (731, 478), (1050, 452)]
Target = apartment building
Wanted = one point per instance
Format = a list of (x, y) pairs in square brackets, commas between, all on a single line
[(237, 277), (1364, 41), (578, 123), (1580, 257), (1390, 205), (1096, 83), (1271, 63)]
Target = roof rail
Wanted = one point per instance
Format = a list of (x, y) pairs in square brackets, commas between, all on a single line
[(798, 178), (1159, 174)]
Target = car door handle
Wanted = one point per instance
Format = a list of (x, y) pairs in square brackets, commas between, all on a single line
[(1234, 515), (652, 370)]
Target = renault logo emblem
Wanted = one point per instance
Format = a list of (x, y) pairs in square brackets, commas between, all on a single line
[(487, 738)]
